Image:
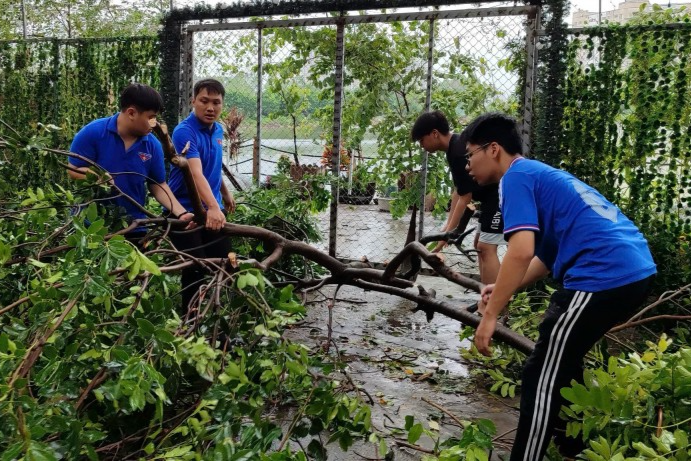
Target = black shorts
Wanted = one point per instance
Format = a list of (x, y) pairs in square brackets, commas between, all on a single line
[(491, 220)]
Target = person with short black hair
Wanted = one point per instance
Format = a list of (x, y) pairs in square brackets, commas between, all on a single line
[(205, 159), (433, 132), (124, 147), (556, 224)]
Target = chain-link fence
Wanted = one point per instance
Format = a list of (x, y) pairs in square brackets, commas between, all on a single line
[(463, 62)]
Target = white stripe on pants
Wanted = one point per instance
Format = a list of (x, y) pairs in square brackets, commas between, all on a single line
[(558, 338)]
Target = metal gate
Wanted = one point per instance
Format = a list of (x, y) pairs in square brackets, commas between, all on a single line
[(302, 85)]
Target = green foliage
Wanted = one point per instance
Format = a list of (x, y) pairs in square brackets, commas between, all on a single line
[(288, 208), (474, 442), (624, 128), (95, 361), (385, 93), (503, 369), (549, 97), (82, 18), (636, 407), (69, 83)]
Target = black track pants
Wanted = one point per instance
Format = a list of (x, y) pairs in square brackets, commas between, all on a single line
[(573, 323)]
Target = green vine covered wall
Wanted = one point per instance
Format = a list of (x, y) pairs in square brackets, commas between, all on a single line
[(68, 83), (63, 85), (625, 129), (550, 79)]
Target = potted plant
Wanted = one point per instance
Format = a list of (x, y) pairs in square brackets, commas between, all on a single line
[(385, 193), (359, 191)]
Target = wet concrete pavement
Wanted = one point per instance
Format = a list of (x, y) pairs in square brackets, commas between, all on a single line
[(398, 359), (364, 230)]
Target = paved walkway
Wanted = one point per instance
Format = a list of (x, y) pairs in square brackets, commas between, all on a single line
[(364, 230)]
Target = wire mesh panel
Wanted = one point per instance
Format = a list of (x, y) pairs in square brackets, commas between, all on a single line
[(230, 56), (479, 65)]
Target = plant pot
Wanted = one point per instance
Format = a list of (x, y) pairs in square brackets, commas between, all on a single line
[(357, 196), (385, 203)]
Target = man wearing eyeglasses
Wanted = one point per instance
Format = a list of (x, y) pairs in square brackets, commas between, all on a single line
[(433, 132), (555, 224)]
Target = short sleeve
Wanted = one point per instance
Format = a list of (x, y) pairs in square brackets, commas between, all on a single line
[(181, 136), (84, 145), (462, 180), (518, 205), (158, 168)]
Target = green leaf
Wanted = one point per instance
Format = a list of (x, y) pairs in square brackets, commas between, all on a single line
[(486, 426), (148, 265), (39, 452), (415, 433), (177, 452), (252, 280), (12, 453), (409, 421), (644, 449), (5, 252), (164, 336), (145, 327)]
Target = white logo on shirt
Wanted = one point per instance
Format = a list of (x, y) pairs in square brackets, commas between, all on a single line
[(595, 201)]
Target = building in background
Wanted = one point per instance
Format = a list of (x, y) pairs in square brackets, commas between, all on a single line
[(622, 14)]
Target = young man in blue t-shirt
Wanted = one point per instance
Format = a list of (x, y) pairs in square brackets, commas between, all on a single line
[(205, 158), (124, 147), (555, 224), (432, 131)]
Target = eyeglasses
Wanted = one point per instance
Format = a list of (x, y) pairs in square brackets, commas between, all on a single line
[(470, 154)]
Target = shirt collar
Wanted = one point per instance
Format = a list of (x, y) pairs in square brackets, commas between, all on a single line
[(112, 126), (200, 126), (517, 159)]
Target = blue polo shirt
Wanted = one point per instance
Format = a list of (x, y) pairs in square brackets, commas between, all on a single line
[(585, 240), (100, 142), (206, 144)]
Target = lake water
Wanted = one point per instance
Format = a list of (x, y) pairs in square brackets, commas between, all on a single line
[(309, 152)]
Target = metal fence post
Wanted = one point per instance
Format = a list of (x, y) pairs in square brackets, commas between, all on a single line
[(23, 7), (336, 150), (531, 37), (187, 82), (257, 173), (428, 105)]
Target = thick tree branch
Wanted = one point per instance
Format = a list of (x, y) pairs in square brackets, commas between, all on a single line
[(502, 333), (435, 262), (161, 131)]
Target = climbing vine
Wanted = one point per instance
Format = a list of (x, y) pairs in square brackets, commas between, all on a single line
[(625, 129), (69, 83), (54, 87)]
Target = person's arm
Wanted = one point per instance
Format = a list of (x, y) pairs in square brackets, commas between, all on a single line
[(227, 197), (84, 145), (458, 206), (215, 219), (512, 272), (536, 271), (165, 197)]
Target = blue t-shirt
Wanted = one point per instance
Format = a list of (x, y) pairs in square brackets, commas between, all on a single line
[(206, 144), (100, 142), (585, 240)]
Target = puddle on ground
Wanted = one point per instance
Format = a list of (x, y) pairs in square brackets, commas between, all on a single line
[(400, 360)]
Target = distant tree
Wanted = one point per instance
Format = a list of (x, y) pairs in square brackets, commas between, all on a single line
[(81, 18)]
